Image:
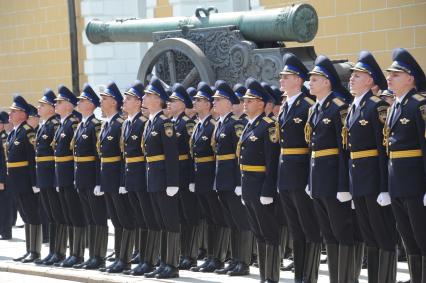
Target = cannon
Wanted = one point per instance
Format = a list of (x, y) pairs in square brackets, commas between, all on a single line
[(210, 45)]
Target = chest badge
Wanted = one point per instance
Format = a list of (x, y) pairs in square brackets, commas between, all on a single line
[(178, 134), (363, 122), (204, 138), (253, 138), (16, 142), (63, 135), (297, 120), (222, 135), (326, 121), (404, 121), (84, 136), (110, 138), (45, 137), (134, 137), (154, 133)]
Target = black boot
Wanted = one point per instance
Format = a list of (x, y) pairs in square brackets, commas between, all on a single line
[(387, 266), (234, 253), (127, 244), (60, 245), (100, 248), (162, 251), (272, 263), (333, 262), (151, 250), (35, 243), (70, 234), (136, 252), (298, 259), (189, 259), (209, 240), (359, 259), (415, 268), (346, 263), (372, 265), (223, 235), (244, 254), (118, 234), (79, 245), (261, 257), (52, 244), (172, 259), (311, 262), (27, 243), (91, 236)]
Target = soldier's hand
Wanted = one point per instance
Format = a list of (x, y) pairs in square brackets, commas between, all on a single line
[(242, 201), (384, 199), (57, 189), (171, 191), (424, 200), (97, 191), (192, 187), (308, 191), (266, 200), (238, 190), (36, 190), (344, 196), (1, 187), (122, 191)]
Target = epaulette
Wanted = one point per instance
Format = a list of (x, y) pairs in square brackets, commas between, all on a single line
[(28, 127), (419, 97), (185, 118), (95, 121), (235, 117), (375, 99), (55, 121), (164, 117), (120, 120), (143, 118), (338, 102), (309, 101), (74, 120), (268, 120)]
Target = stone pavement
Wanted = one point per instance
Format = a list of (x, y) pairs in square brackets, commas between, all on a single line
[(11, 271)]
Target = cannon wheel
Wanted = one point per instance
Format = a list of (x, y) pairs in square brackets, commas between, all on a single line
[(193, 52)]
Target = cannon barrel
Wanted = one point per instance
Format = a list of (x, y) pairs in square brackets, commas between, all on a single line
[(292, 23)]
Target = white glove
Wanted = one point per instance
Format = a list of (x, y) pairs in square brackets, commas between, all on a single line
[(122, 191), (192, 187), (308, 191), (344, 196), (238, 190), (36, 190), (171, 191), (242, 201), (424, 200), (266, 200), (97, 191), (57, 189), (352, 205), (384, 199)]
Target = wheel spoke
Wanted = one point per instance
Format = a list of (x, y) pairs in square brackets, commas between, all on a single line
[(190, 78), (172, 66)]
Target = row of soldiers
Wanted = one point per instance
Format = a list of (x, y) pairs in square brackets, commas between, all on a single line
[(346, 169)]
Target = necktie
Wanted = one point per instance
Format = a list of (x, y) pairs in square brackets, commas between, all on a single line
[(395, 113), (127, 128), (285, 110), (316, 113), (352, 115), (105, 129)]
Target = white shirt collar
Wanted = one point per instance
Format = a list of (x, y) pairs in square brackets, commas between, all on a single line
[(400, 99), (152, 116), (251, 121), (130, 117), (63, 119), (321, 102), (222, 118), (290, 100), (84, 119), (358, 99), (17, 126), (110, 118)]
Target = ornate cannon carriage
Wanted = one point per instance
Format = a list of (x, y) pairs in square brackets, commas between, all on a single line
[(210, 45)]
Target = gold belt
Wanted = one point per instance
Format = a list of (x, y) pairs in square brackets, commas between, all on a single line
[(64, 158), (225, 157), (155, 158), (293, 151), (325, 152), (84, 158), (135, 159), (110, 159), (183, 157), (44, 158), (364, 153), (253, 168), (406, 153), (17, 164), (204, 159)]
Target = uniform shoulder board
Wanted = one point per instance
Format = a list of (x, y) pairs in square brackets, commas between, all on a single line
[(74, 126), (375, 99), (120, 120), (96, 121), (338, 102), (31, 136), (268, 120), (309, 100), (55, 121), (164, 117), (185, 118), (143, 118), (74, 120), (419, 97), (235, 117), (27, 127)]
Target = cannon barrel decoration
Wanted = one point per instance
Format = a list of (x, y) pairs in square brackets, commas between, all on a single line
[(292, 23), (210, 46)]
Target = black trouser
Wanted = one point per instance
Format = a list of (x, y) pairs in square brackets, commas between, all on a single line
[(189, 208), (148, 213), (301, 218), (28, 203), (119, 209), (236, 212), (6, 212), (264, 225), (166, 211), (335, 220), (377, 223), (211, 208), (94, 207), (51, 203), (410, 215), (134, 198), (71, 206)]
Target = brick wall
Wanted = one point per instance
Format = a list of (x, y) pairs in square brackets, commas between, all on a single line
[(348, 26), (34, 47)]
